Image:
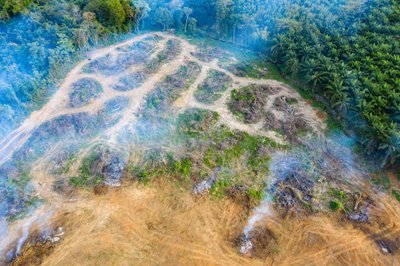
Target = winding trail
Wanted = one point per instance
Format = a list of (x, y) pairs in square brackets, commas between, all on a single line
[(136, 221), (58, 105)]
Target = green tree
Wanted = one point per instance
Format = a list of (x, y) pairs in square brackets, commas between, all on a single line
[(164, 17), (10, 8), (109, 13), (142, 10), (187, 11)]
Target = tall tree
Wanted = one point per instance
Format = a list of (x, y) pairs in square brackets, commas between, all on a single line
[(187, 11), (109, 13), (142, 9), (164, 17)]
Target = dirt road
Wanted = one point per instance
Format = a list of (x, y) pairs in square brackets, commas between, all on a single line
[(58, 104)]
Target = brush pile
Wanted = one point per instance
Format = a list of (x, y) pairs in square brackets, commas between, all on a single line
[(213, 87), (295, 192), (208, 54), (84, 91), (206, 185), (248, 102)]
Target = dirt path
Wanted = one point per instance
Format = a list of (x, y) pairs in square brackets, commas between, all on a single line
[(160, 223), (58, 104), (187, 100)]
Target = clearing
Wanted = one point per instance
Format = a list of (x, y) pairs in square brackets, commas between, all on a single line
[(155, 151)]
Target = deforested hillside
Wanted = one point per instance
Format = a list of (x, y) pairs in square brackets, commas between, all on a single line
[(199, 132)]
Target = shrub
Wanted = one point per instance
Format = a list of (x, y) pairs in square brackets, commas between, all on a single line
[(335, 205), (109, 13)]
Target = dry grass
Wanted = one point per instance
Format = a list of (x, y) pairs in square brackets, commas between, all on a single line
[(162, 224), (154, 225)]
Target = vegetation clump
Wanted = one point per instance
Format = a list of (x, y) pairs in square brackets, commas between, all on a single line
[(248, 102), (101, 166), (159, 101), (172, 49), (354, 205), (17, 192), (194, 122), (84, 91), (111, 13), (213, 87), (87, 177), (249, 69)]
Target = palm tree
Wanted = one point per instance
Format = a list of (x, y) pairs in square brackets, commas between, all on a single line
[(391, 148)]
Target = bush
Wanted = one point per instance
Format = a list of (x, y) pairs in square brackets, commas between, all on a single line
[(109, 13), (10, 8), (194, 122), (84, 91), (213, 87), (335, 205)]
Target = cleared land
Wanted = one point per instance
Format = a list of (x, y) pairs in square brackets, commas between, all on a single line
[(165, 163)]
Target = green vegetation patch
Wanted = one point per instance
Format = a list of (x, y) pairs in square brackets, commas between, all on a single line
[(17, 193), (250, 69), (213, 87), (70, 160), (84, 91), (194, 122), (172, 50), (87, 176), (339, 200), (348, 202), (396, 194), (336, 205), (157, 164), (248, 102), (238, 161)]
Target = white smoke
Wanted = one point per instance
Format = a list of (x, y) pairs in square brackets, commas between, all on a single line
[(21, 231), (331, 156), (262, 211), (3, 228)]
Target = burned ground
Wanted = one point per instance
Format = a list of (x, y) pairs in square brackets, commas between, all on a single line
[(135, 54), (84, 91), (159, 101), (213, 87), (208, 53), (262, 104), (130, 81), (249, 102)]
